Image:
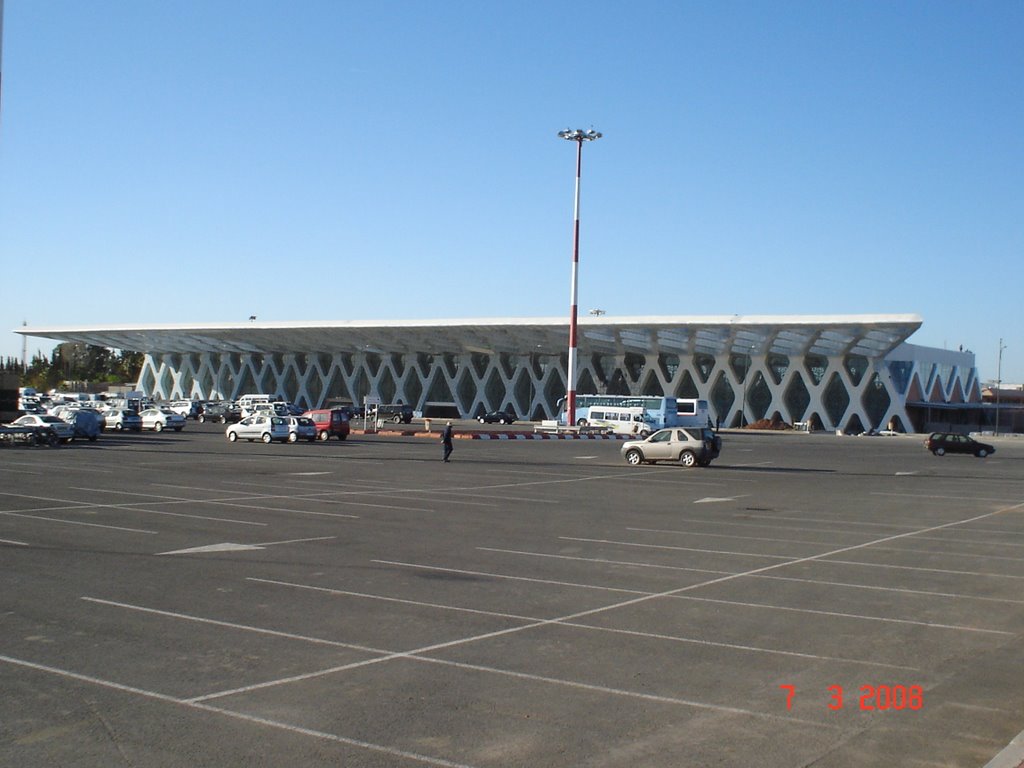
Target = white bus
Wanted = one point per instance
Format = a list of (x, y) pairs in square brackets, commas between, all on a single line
[(658, 411), (691, 412)]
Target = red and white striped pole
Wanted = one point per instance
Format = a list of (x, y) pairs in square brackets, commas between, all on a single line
[(579, 136)]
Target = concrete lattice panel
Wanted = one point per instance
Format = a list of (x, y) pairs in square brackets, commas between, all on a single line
[(481, 365)]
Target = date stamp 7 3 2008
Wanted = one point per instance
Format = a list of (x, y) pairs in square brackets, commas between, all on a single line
[(871, 697)]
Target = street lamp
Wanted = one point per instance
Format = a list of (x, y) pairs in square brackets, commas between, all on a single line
[(579, 136), (999, 381)]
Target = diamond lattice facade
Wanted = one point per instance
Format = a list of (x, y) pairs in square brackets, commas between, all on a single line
[(851, 372)]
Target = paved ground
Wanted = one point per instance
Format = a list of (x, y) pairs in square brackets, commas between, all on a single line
[(176, 600)]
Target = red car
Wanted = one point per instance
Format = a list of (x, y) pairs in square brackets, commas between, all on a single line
[(330, 422)]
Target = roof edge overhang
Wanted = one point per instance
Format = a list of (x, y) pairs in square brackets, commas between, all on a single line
[(875, 334)]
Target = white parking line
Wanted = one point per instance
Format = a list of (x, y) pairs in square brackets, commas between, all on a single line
[(77, 522), (944, 497), (728, 536), (674, 548), (950, 571), (422, 567), (71, 505), (417, 655), (900, 590), (603, 561), (674, 594), (837, 614), (589, 627), (390, 751), (823, 582), (386, 599), (14, 543)]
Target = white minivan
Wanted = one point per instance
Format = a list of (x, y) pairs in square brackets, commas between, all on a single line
[(618, 420)]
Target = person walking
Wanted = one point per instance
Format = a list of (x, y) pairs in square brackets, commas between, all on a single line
[(446, 441)]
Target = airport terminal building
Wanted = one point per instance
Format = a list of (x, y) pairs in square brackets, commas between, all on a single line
[(847, 372)]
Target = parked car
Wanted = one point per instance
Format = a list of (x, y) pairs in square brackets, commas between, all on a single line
[(87, 423), (159, 419), (45, 421), (688, 445), (222, 412), (330, 422), (190, 409), (352, 410), (941, 443), (300, 428), (123, 419), (397, 413), (497, 417), (259, 426)]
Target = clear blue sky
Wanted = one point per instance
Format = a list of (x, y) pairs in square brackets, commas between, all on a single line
[(207, 161)]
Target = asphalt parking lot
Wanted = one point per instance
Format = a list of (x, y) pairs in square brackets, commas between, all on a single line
[(177, 600)]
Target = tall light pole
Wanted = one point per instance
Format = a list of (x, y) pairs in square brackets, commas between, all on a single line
[(999, 381), (579, 136)]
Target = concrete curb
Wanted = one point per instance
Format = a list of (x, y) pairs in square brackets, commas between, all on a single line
[(491, 435)]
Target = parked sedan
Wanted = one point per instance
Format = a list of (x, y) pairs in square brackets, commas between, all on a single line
[(44, 421), (259, 427), (300, 428), (224, 413), (497, 417), (941, 443), (159, 419), (123, 419), (688, 446)]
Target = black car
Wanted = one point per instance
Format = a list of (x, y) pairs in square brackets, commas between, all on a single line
[(222, 413), (497, 417), (941, 443), (397, 413)]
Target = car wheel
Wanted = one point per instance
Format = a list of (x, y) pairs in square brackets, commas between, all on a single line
[(158, 427), (397, 419), (481, 420), (323, 436), (201, 419), (634, 458), (118, 427), (266, 437), (582, 423), (981, 454), (292, 437), (502, 421), (232, 436), (939, 451), (687, 458)]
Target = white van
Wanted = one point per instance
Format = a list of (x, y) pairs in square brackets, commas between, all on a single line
[(619, 420), (250, 400), (247, 403)]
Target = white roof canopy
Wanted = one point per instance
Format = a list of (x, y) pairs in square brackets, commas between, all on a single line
[(868, 335)]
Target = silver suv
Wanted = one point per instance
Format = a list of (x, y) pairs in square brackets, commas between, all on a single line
[(688, 445)]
